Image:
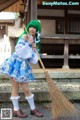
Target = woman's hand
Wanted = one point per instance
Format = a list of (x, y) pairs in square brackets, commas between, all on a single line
[(30, 39), (34, 46)]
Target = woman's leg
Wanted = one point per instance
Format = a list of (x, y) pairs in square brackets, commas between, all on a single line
[(28, 95), (26, 89), (30, 98), (14, 94), (14, 98), (15, 87)]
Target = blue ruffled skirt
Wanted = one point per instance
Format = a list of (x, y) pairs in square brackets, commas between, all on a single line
[(17, 68)]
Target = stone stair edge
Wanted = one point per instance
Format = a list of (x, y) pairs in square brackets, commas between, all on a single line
[(43, 86), (39, 74), (41, 96)]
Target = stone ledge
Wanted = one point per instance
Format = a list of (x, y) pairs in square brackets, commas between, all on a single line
[(42, 86), (54, 74), (71, 91), (58, 73), (40, 96)]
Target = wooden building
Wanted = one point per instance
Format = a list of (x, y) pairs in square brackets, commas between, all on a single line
[(62, 29), (60, 21)]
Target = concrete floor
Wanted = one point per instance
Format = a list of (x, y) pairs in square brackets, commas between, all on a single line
[(43, 108)]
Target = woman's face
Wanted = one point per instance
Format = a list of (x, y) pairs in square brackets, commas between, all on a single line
[(32, 31)]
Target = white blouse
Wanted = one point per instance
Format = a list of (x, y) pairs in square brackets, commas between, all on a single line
[(24, 50)]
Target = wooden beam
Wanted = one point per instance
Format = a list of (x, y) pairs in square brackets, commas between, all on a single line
[(2, 1), (7, 4), (59, 7), (7, 21), (33, 9), (51, 17), (77, 17)]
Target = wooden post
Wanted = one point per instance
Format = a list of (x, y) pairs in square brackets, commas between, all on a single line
[(6, 29), (30, 10), (33, 9), (66, 45), (27, 11), (66, 52)]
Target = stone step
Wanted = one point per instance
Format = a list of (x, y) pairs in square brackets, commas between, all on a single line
[(68, 80), (67, 86), (55, 74), (70, 90)]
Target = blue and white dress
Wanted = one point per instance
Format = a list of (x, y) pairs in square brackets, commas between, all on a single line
[(18, 65)]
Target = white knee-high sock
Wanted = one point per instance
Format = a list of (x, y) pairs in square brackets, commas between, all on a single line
[(15, 103), (30, 100)]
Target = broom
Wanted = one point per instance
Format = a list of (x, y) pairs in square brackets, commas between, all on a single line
[(62, 108)]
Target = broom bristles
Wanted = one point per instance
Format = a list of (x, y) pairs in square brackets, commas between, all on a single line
[(62, 108)]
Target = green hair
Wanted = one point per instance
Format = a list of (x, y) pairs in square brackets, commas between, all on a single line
[(36, 24)]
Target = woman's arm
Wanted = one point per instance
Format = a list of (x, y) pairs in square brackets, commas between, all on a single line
[(34, 58), (23, 49)]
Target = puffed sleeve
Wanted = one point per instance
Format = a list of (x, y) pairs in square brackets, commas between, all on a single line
[(23, 50), (34, 58)]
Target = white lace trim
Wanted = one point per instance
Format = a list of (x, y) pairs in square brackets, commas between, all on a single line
[(29, 97), (14, 97)]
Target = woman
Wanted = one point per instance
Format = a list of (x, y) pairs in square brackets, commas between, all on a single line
[(18, 68)]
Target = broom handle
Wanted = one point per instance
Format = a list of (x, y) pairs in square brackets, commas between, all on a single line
[(40, 61), (37, 54)]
